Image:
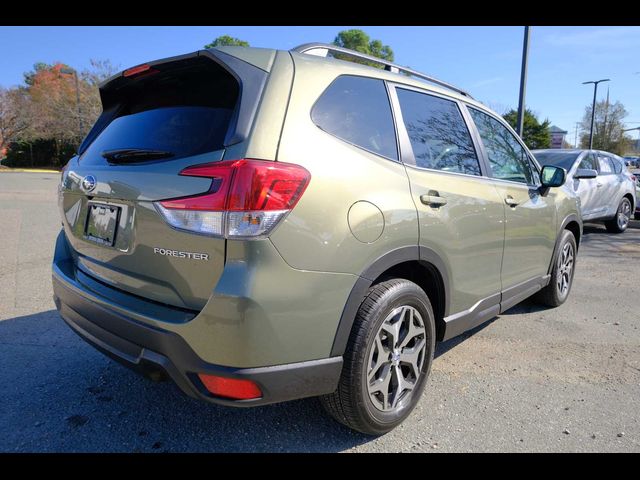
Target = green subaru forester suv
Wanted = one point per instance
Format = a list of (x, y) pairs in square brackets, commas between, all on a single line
[(263, 225)]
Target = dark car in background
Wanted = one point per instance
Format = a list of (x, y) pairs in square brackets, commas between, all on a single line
[(607, 189)]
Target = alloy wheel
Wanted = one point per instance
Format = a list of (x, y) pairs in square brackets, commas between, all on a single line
[(624, 214), (396, 358), (565, 268)]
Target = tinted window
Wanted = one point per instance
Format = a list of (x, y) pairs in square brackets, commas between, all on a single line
[(508, 159), (184, 131), (605, 165), (357, 110), (184, 108), (439, 137), (558, 159), (589, 162)]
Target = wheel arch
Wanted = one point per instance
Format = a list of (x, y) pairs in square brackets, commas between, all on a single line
[(418, 264), (573, 223), (632, 199)]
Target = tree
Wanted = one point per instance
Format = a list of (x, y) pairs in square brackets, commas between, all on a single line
[(359, 41), (227, 41), (37, 68), (15, 115), (534, 134), (55, 102), (608, 126)]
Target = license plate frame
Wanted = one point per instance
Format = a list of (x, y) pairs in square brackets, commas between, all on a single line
[(101, 226)]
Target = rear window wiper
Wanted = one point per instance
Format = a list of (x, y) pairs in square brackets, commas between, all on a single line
[(134, 154)]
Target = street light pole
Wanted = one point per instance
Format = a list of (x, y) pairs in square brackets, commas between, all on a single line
[(593, 108), (523, 81), (71, 71)]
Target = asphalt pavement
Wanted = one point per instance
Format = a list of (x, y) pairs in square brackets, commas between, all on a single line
[(532, 379)]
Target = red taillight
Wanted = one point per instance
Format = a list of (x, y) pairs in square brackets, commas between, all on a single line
[(260, 185), (139, 71), (234, 388), (247, 197)]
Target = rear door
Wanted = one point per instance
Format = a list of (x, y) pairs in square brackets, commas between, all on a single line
[(461, 216), (608, 185), (184, 112), (530, 218), (588, 189)]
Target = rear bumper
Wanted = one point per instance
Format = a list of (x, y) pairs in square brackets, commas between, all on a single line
[(159, 353)]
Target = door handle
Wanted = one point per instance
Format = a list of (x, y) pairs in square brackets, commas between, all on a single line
[(512, 202), (599, 185), (433, 199)]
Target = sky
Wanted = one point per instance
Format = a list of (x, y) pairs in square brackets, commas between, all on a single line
[(485, 61)]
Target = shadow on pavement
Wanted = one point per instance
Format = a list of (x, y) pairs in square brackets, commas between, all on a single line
[(444, 347), (65, 396)]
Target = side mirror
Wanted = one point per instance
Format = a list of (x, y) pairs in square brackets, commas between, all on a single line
[(551, 176), (585, 173)]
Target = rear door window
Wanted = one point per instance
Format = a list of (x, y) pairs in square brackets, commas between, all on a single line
[(357, 110), (438, 134), (589, 162), (615, 164), (606, 168)]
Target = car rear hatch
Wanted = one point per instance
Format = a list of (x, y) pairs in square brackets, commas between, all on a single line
[(158, 119)]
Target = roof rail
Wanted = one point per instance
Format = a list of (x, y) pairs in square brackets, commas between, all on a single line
[(323, 49)]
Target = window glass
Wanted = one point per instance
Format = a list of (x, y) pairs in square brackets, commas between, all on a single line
[(183, 131), (438, 134), (357, 110), (616, 165), (508, 159), (589, 162), (605, 165), (557, 159)]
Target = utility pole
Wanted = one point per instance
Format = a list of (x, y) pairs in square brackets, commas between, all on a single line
[(593, 108), (576, 141), (606, 114), (71, 71), (523, 81)]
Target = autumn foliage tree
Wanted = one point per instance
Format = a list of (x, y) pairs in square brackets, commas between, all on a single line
[(52, 112)]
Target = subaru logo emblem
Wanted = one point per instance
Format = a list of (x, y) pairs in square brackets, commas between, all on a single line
[(88, 183)]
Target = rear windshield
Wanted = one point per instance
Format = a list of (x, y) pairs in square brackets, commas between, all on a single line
[(185, 111), (557, 159)]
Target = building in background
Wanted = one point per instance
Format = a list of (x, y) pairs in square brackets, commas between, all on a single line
[(557, 136)]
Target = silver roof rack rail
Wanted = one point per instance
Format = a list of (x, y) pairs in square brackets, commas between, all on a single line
[(323, 49)]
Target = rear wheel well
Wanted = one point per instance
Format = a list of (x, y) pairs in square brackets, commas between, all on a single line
[(574, 228), (632, 200), (427, 277)]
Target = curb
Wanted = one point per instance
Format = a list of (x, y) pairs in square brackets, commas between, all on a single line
[(27, 170)]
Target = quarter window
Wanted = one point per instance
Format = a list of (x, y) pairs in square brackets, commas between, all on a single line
[(507, 157), (357, 110), (439, 136)]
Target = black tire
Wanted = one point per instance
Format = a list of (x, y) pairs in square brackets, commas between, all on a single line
[(351, 404), (551, 295), (613, 226)]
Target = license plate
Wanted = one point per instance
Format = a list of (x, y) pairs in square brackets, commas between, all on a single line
[(102, 224)]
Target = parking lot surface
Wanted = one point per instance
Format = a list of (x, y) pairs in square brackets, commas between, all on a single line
[(532, 379)]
